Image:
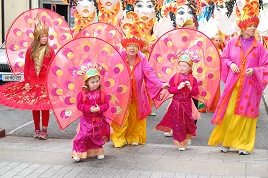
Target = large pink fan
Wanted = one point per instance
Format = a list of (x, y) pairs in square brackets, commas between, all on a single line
[(20, 35), (103, 31), (63, 86), (165, 54)]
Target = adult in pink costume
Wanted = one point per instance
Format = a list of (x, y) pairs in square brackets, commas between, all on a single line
[(179, 116), (94, 128), (143, 80), (244, 72)]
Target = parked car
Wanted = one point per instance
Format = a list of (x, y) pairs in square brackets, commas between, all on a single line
[(5, 73)]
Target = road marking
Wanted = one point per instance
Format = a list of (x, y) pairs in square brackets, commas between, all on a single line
[(12, 131)]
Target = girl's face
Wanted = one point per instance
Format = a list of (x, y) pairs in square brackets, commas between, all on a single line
[(184, 67), (145, 9), (85, 7), (43, 39), (250, 31), (93, 83), (184, 13), (132, 49), (217, 40)]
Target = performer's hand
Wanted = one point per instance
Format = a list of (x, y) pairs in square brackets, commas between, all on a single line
[(97, 108), (182, 84), (188, 84), (234, 68), (92, 109), (27, 86), (165, 86), (249, 71)]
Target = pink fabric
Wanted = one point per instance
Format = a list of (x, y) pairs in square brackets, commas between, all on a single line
[(251, 87), (93, 126), (179, 116), (146, 81)]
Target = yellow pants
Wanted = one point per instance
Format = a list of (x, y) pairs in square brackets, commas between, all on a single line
[(132, 130), (235, 131)]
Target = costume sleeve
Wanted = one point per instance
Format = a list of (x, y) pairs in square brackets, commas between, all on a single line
[(173, 89), (81, 106), (194, 91), (104, 107), (226, 62), (52, 53), (27, 65), (261, 71), (153, 83)]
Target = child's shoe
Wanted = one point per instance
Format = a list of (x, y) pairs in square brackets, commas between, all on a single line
[(76, 159), (182, 148), (168, 134), (36, 133), (43, 135), (100, 156)]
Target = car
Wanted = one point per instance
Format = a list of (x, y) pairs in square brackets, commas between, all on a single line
[(5, 73)]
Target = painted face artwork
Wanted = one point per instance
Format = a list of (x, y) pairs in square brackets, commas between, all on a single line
[(43, 39), (183, 13), (109, 4), (145, 9), (85, 7), (263, 27)]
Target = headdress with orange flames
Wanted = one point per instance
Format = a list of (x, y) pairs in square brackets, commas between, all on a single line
[(133, 33), (39, 28), (249, 15)]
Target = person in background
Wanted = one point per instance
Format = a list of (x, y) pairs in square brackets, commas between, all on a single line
[(244, 72), (94, 130)]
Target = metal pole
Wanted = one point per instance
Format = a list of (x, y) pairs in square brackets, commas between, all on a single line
[(3, 20)]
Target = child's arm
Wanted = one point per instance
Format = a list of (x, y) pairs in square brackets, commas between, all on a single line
[(81, 106), (105, 105), (173, 89), (194, 91)]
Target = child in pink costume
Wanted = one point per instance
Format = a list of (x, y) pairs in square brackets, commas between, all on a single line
[(94, 130), (179, 116)]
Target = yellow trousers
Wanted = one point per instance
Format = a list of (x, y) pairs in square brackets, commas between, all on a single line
[(132, 130), (235, 131)]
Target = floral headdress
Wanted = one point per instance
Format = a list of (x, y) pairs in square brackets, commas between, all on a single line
[(188, 56), (249, 15), (89, 69)]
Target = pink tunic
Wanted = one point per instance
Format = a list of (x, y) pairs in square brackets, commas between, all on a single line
[(179, 115), (250, 87), (93, 126), (144, 75)]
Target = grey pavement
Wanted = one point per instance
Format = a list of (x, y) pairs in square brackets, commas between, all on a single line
[(29, 157)]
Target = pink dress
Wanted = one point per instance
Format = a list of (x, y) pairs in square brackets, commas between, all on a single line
[(94, 130), (179, 116)]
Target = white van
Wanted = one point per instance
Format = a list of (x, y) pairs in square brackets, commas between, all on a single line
[(5, 73)]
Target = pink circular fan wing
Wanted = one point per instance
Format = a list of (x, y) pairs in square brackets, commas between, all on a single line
[(103, 31), (20, 35), (206, 70), (63, 86)]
